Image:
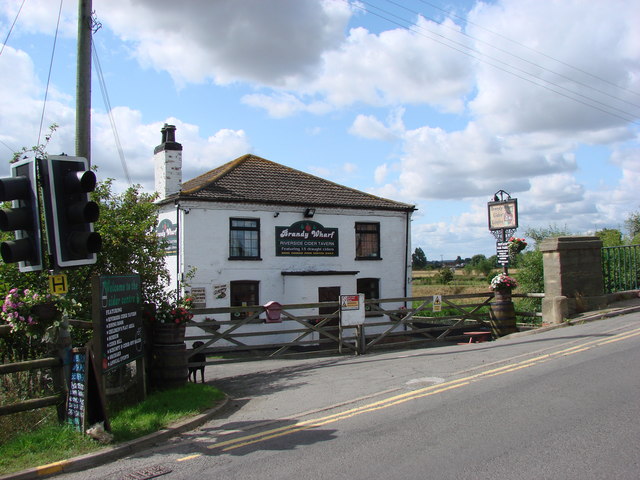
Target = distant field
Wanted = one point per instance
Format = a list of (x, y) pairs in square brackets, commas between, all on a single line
[(427, 290), (463, 282)]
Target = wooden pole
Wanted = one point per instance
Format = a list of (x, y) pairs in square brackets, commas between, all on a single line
[(83, 81)]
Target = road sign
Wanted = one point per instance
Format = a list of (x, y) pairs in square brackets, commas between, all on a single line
[(437, 303), (58, 284)]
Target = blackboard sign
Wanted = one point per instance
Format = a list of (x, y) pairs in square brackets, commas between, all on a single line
[(120, 319), (77, 389)]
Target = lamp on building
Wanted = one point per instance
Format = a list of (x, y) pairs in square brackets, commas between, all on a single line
[(309, 212)]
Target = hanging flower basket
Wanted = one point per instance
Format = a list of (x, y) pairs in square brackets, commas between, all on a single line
[(516, 245)]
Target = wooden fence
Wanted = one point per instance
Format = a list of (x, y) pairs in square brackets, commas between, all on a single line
[(54, 364), (398, 322)]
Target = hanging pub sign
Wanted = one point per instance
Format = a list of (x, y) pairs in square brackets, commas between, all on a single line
[(306, 238), (503, 215), (168, 231)]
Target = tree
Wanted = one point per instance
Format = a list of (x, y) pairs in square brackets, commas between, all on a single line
[(539, 234), (610, 237), (632, 223), (418, 259), (480, 263), (130, 245)]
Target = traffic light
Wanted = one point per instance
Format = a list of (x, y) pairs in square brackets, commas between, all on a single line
[(23, 217), (66, 183)]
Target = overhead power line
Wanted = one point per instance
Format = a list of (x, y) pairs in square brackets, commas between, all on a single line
[(53, 52), (503, 65), (11, 28), (107, 104)]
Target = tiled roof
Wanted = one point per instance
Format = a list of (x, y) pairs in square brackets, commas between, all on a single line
[(252, 179)]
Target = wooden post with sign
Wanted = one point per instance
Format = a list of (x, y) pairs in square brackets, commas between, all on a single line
[(118, 331), (352, 314)]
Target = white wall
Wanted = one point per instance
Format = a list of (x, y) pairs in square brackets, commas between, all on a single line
[(205, 245)]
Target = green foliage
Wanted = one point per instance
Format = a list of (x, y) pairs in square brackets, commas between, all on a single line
[(610, 237), (632, 224), (445, 276), (53, 442), (418, 259), (160, 409), (539, 234), (43, 446), (531, 272), (480, 263)]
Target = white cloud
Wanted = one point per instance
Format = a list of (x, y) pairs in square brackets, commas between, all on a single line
[(367, 126), (584, 52), (256, 41), (380, 173)]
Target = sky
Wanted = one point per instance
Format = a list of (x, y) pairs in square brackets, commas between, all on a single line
[(439, 104)]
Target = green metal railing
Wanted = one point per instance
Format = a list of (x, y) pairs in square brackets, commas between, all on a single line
[(621, 268)]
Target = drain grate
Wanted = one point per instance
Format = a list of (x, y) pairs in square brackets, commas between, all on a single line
[(146, 473)]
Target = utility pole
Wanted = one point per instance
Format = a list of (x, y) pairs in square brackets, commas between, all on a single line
[(83, 81)]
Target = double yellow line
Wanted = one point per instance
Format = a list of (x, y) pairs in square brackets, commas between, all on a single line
[(245, 440)]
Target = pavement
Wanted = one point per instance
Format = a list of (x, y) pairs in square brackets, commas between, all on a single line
[(621, 304)]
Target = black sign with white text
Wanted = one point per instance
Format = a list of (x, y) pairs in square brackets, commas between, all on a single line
[(120, 318), (306, 238)]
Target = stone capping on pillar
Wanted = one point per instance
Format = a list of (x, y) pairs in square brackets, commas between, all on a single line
[(569, 243), (573, 280)]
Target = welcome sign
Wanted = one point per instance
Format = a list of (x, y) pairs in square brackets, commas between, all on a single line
[(306, 238)]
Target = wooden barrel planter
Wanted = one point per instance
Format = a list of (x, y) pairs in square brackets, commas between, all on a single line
[(169, 366), (168, 333), (503, 314), (168, 356)]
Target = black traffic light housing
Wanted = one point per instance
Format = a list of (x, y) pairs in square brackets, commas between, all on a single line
[(23, 217), (66, 183)]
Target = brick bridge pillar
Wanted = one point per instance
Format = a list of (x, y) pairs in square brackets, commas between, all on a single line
[(572, 277)]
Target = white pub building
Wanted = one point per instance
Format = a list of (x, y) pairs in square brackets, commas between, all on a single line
[(253, 231)]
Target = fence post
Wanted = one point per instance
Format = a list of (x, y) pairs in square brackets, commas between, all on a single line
[(572, 277), (61, 376)]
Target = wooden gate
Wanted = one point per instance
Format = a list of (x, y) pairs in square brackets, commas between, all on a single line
[(399, 322)]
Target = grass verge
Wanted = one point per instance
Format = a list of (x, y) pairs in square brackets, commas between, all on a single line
[(53, 443)]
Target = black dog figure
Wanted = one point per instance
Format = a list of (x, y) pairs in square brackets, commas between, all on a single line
[(200, 359)]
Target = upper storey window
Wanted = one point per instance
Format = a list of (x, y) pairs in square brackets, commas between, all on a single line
[(367, 241), (244, 238)]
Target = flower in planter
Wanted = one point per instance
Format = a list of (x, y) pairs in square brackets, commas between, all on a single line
[(177, 312), (516, 245), (18, 309), (503, 282)]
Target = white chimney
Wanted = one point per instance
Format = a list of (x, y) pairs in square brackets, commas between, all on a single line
[(168, 163)]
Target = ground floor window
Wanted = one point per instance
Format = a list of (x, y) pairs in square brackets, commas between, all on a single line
[(243, 294), (371, 289)]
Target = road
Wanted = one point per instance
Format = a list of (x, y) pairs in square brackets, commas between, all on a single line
[(559, 404)]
